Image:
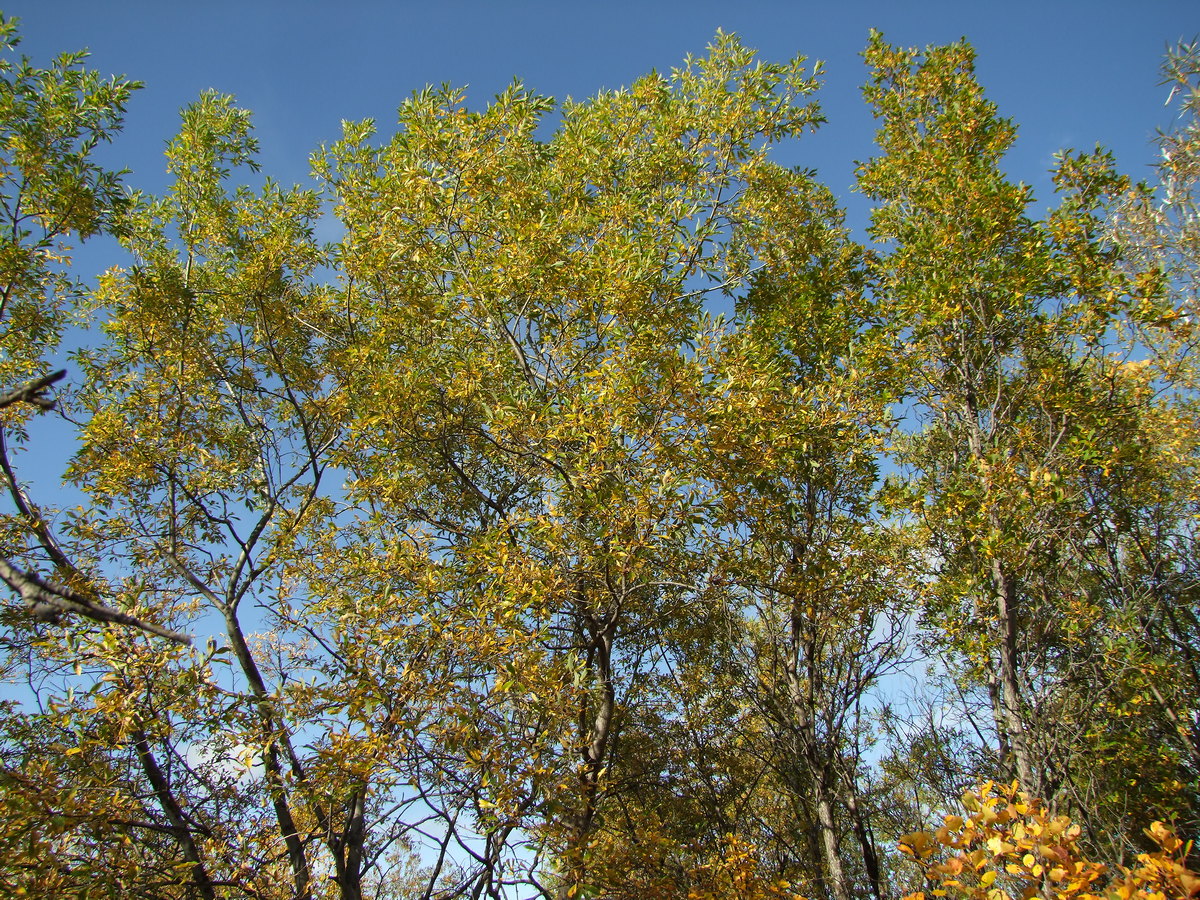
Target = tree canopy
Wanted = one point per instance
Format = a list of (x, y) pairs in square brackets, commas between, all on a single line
[(598, 515)]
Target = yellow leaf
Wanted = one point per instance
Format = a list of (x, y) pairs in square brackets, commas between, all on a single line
[(915, 843), (998, 846)]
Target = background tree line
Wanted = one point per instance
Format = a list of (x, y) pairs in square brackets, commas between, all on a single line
[(512, 569)]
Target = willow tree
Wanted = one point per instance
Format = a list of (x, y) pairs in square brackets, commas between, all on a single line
[(520, 319), (52, 192), (427, 503), (510, 571), (797, 418), (204, 446), (1152, 543), (1029, 408)]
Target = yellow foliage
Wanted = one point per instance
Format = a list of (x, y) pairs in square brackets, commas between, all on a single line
[(1011, 848), (732, 874)]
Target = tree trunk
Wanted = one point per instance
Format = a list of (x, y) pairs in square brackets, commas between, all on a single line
[(348, 848), (1005, 589), (271, 764), (595, 726), (811, 752), (829, 839), (180, 827), (1005, 595), (866, 841)]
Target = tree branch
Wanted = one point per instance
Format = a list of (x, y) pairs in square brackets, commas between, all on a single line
[(47, 600), (31, 392)]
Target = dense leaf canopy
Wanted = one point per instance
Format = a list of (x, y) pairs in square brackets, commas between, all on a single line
[(475, 555)]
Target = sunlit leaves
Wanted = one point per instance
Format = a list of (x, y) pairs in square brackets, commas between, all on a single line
[(514, 569), (50, 188), (1031, 412), (1009, 846)]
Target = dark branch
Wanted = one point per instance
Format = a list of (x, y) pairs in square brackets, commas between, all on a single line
[(47, 601), (32, 392)]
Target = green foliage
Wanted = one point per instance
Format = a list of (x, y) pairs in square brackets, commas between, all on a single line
[(51, 120), (512, 570)]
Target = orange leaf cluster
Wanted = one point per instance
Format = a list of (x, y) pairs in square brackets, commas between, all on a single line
[(1009, 846)]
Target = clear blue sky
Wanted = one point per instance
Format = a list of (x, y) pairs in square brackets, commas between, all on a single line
[(1071, 74)]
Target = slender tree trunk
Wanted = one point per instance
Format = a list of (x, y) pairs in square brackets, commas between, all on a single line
[(273, 770), (1005, 589), (866, 841), (812, 834), (829, 839), (595, 725), (1005, 595), (996, 704), (274, 734), (180, 826), (813, 755), (348, 848)]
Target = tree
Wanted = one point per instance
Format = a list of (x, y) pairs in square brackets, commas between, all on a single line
[(1033, 416), (1159, 229), (1151, 547), (493, 572), (795, 431), (51, 122), (515, 571), (540, 438)]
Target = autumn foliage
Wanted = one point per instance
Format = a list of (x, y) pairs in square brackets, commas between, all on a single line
[(1005, 846), (1008, 846), (600, 514)]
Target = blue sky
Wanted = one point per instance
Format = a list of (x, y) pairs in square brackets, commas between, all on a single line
[(1071, 74)]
